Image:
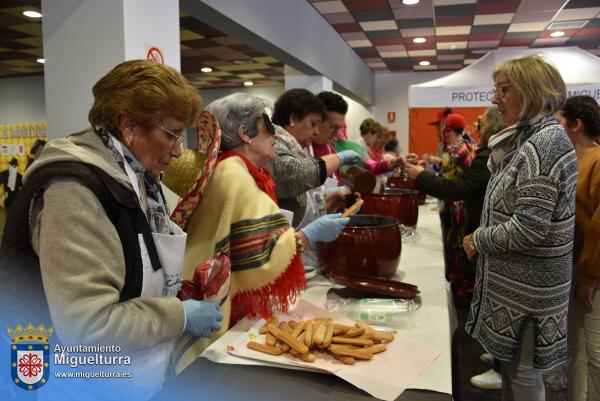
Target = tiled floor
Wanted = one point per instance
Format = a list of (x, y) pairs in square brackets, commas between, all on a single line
[(467, 352)]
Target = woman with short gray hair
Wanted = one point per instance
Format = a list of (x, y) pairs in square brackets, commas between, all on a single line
[(234, 111), (242, 252)]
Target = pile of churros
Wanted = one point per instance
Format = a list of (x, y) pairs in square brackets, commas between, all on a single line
[(304, 338)]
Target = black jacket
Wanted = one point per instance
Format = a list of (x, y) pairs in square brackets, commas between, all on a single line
[(469, 186), (20, 278)]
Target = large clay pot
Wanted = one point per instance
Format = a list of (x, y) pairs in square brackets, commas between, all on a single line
[(401, 204), (369, 245), (398, 181)]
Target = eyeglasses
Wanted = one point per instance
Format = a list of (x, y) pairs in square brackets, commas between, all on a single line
[(178, 138), (500, 90)]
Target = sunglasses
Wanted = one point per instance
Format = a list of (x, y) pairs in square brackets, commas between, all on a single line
[(268, 124)]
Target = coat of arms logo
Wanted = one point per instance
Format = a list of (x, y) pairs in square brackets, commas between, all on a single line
[(30, 355)]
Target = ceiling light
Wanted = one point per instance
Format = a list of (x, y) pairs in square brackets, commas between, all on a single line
[(424, 62), (557, 34), (419, 40), (248, 83), (41, 60), (32, 14), (206, 69), (410, 2), (239, 62)]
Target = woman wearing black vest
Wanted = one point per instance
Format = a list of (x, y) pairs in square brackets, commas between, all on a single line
[(94, 228)]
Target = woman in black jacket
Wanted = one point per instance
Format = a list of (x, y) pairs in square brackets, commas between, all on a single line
[(470, 185)]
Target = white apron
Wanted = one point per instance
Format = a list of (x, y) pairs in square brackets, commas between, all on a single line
[(149, 367), (315, 208)]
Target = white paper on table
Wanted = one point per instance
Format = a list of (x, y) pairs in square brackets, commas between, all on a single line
[(288, 214), (386, 376)]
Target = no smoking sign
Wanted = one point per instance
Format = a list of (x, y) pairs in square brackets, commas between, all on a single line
[(154, 53)]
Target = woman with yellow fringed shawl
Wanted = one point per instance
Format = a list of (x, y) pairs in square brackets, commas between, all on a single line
[(241, 250)]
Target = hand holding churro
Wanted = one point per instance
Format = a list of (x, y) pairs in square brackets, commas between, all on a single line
[(353, 209)]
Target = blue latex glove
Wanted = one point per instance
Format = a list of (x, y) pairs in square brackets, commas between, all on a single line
[(325, 229), (349, 157), (201, 317)]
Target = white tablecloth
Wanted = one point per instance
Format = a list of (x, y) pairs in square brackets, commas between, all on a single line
[(422, 264)]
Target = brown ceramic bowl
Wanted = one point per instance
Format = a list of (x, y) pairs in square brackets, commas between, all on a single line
[(397, 181), (401, 204), (369, 245)]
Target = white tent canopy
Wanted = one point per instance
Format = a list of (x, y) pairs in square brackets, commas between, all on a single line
[(472, 86)]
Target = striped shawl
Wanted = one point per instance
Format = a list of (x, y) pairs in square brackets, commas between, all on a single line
[(238, 225)]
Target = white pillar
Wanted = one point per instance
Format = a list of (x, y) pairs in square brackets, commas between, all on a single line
[(313, 83), (84, 39)]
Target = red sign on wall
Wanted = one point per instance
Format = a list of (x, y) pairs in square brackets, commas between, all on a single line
[(154, 53), (391, 116)]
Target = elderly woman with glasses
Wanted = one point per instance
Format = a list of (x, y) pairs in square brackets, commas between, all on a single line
[(299, 177), (91, 244), (524, 245), (242, 252)]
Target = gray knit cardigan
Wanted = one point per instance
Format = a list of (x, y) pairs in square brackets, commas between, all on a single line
[(295, 172), (525, 244)]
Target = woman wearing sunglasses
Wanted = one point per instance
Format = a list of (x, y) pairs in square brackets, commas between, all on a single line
[(242, 251)]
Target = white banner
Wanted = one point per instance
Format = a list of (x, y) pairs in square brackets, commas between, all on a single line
[(478, 96), (472, 86)]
